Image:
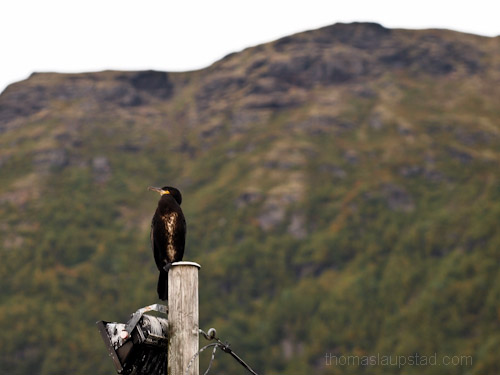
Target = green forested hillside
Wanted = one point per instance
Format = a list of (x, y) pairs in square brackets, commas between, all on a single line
[(341, 188)]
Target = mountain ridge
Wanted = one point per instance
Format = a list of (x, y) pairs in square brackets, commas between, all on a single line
[(341, 193)]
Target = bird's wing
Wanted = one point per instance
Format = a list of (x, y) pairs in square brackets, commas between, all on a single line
[(158, 242), (180, 236), (151, 235)]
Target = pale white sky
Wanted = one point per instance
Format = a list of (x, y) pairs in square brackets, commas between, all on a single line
[(180, 35)]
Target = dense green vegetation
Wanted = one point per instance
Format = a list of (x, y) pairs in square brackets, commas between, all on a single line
[(359, 220)]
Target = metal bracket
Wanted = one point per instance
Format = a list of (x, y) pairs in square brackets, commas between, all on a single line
[(139, 313)]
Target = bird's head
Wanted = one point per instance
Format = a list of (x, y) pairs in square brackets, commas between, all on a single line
[(175, 193)]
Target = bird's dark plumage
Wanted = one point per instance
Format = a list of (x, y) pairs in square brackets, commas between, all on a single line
[(168, 234)]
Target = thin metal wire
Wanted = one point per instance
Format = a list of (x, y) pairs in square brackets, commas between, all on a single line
[(197, 354), (225, 348), (211, 360), (241, 361)]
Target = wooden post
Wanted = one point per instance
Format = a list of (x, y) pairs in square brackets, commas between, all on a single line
[(183, 318)]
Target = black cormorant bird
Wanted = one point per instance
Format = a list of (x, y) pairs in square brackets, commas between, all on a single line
[(168, 234)]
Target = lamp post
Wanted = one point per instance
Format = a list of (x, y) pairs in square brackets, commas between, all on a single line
[(149, 345)]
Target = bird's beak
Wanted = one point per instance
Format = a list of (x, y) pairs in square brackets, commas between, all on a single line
[(158, 190)]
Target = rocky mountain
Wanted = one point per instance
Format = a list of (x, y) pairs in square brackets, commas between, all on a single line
[(341, 189)]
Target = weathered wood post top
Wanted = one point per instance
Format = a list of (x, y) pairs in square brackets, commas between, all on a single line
[(183, 318)]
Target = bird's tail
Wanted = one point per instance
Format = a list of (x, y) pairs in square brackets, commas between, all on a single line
[(163, 285)]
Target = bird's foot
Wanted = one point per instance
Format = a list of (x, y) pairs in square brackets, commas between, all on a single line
[(167, 267)]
